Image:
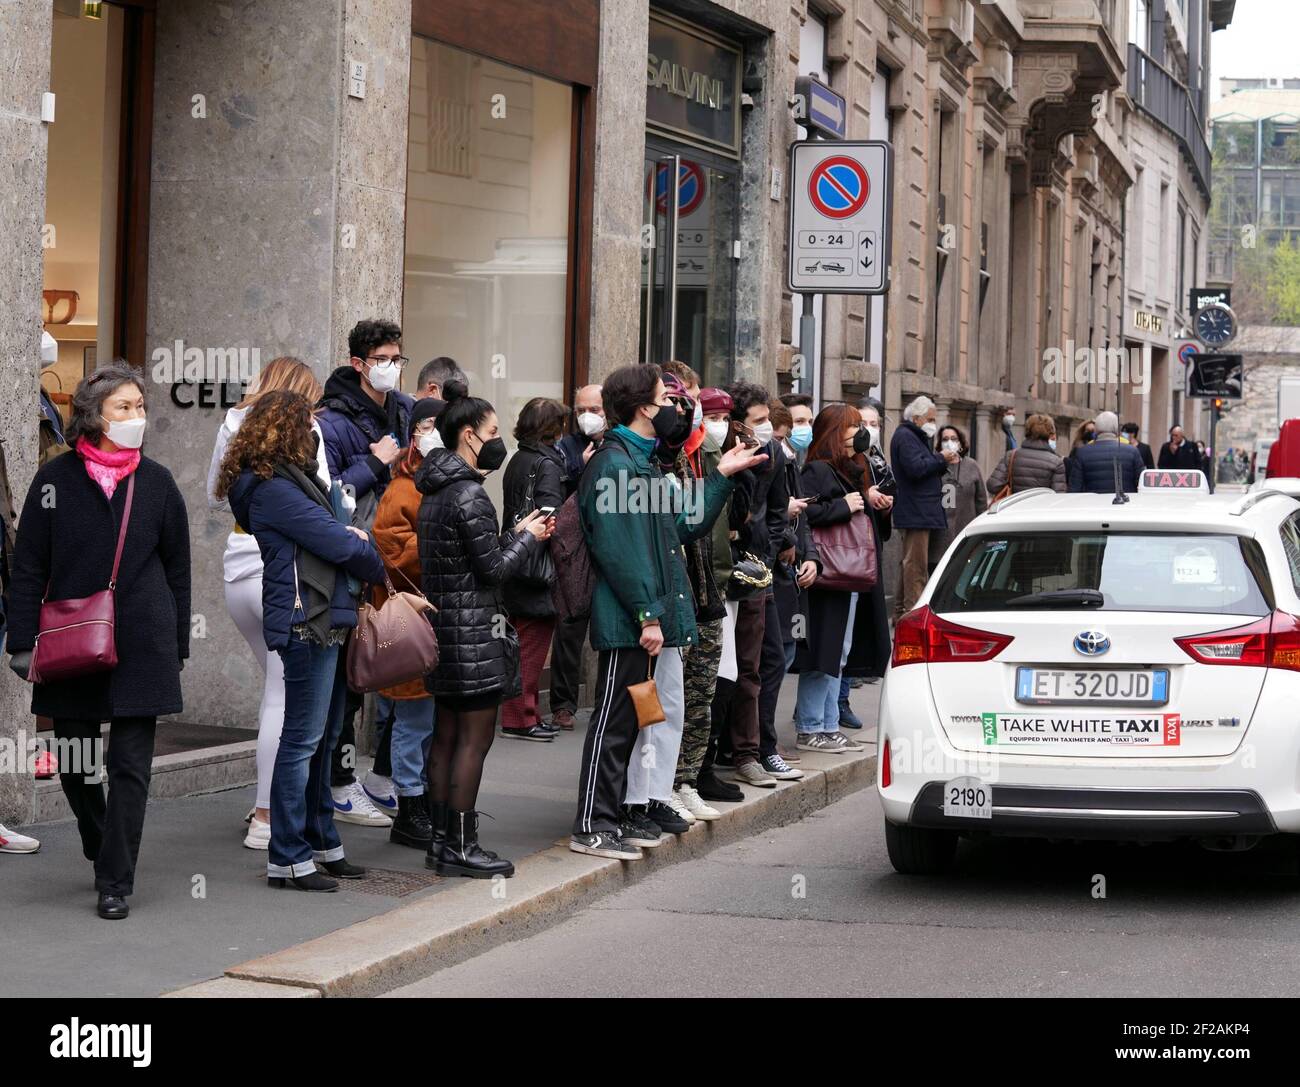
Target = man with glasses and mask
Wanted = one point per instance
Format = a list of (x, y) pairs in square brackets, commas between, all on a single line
[(365, 427)]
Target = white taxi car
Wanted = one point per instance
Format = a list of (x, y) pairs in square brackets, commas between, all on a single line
[(1080, 668)]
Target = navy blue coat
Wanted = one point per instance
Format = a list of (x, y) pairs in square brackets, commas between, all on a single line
[(919, 472), (282, 519), (572, 446), (351, 423), (1092, 467)]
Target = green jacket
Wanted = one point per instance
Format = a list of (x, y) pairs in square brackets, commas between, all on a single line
[(710, 454), (635, 539)]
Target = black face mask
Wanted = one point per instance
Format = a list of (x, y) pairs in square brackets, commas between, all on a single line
[(862, 440), (491, 454), (666, 422)]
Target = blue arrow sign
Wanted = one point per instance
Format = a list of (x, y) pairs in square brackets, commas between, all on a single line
[(826, 111)]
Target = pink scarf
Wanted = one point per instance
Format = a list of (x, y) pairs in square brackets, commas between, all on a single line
[(107, 469)]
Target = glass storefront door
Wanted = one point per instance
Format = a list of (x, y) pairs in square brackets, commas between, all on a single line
[(688, 273)]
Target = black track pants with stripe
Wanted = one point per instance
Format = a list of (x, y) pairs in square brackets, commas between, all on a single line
[(611, 735)]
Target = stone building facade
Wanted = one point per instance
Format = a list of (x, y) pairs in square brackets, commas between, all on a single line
[(500, 176)]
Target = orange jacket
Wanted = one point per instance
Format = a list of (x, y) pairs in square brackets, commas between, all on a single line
[(394, 536)]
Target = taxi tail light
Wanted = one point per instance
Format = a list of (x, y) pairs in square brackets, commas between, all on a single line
[(922, 637), (1271, 642)]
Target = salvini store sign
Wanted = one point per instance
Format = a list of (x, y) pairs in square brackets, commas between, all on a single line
[(693, 85)]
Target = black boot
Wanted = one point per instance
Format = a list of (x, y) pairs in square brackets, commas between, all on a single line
[(411, 827), (437, 821), (461, 855), (438, 825)]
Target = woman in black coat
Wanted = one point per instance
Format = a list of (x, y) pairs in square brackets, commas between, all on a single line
[(67, 539), (845, 633), (464, 559), (534, 480)]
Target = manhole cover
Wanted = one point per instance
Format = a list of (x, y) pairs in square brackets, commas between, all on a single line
[(391, 881)]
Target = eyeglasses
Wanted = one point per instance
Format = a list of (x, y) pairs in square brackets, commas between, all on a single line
[(400, 360)]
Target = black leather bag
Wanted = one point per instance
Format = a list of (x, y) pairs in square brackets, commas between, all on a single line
[(538, 569), (750, 576)]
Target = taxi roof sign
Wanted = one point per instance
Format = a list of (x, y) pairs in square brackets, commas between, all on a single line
[(1173, 479)]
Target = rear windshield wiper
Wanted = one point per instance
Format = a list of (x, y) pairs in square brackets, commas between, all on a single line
[(1059, 598)]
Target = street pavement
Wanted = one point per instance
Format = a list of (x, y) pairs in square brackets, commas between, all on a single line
[(814, 909), (201, 902)]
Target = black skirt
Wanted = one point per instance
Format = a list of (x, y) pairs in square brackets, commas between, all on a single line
[(469, 704)]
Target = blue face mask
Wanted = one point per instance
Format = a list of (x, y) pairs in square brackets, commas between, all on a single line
[(801, 436)]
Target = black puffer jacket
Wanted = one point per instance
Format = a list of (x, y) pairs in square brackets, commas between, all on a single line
[(545, 466), (464, 559)]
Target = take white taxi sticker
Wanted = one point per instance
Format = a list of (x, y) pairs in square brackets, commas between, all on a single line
[(1148, 730)]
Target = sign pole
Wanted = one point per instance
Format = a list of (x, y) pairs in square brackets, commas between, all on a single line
[(808, 349), (1214, 448)]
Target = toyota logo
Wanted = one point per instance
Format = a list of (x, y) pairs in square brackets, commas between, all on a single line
[(1091, 643)]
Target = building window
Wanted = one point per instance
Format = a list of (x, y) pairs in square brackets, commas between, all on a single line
[(1139, 24), (487, 224)]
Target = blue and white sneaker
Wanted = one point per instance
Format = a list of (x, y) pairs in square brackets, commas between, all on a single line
[(381, 792), (351, 805)]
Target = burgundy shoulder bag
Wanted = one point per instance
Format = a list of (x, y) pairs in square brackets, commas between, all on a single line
[(78, 637)]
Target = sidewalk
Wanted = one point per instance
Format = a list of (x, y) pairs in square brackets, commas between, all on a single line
[(202, 906)]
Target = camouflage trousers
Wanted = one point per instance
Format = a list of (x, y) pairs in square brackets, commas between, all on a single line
[(700, 679)]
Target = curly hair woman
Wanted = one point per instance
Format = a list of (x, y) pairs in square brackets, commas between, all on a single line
[(76, 507), (269, 474), (242, 573)]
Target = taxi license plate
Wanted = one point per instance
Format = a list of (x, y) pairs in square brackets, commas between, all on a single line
[(968, 798), (1082, 686)]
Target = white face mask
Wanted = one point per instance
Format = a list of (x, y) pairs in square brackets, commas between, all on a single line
[(426, 443), (1051, 442), (931, 429), (874, 431), (384, 376), (763, 432), (590, 423), (1009, 420), (951, 446), (127, 433), (717, 429), (698, 417)]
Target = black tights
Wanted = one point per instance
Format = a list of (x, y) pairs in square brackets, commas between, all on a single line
[(460, 744)]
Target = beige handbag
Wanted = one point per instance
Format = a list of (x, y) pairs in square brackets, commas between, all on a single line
[(392, 644)]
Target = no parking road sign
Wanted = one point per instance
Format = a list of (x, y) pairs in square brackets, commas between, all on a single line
[(839, 216)]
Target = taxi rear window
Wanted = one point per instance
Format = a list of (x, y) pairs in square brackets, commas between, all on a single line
[(1105, 571)]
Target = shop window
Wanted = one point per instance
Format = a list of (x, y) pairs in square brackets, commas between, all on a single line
[(81, 196), (488, 225)]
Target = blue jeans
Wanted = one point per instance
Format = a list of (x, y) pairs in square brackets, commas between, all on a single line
[(817, 704), (413, 721), (302, 808)]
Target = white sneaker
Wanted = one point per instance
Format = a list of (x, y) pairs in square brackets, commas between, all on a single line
[(381, 792), (13, 842), (695, 804), (679, 806), (351, 805), (259, 834)]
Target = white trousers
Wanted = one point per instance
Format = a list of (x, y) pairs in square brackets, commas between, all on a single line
[(653, 765), (727, 668), (244, 601)]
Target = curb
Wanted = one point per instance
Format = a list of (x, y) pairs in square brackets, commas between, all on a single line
[(410, 942)]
